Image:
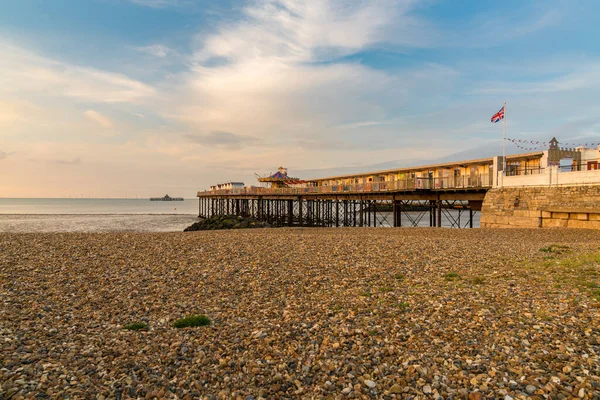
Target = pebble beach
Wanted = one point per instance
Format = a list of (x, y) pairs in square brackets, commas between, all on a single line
[(359, 313)]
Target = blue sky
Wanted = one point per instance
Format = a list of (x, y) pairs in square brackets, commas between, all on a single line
[(110, 97)]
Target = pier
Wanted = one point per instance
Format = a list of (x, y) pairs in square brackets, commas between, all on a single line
[(449, 194)]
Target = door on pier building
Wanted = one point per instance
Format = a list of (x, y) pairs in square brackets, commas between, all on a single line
[(473, 176), (458, 182), (592, 165)]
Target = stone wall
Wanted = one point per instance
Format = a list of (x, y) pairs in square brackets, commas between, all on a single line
[(543, 207)]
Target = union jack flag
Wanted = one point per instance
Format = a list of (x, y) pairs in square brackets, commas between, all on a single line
[(499, 116)]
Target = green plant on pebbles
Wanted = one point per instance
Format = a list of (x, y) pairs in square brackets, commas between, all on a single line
[(478, 280), (450, 276), (192, 321), (399, 276), (556, 248), (136, 326)]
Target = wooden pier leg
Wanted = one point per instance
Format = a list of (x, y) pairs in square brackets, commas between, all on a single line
[(470, 217), (345, 219), (354, 221), (300, 211), (374, 213), (439, 213), (331, 213), (337, 212), (400, 214), (432, 213), (361, 212), (394, 212), (268, 215)]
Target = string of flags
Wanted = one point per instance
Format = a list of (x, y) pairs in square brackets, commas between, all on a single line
[(536, 144)]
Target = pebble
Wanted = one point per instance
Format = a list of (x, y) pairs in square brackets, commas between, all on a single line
[(396, 389), (370, 384)]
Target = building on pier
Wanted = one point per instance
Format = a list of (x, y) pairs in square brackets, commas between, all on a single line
[(280, 179), (387, 197), (228, 186)]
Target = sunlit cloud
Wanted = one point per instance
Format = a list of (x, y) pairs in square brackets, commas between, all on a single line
[(221, 138), (99, 119), (23, 71), (75, 161), (156, 50), (156, 3)]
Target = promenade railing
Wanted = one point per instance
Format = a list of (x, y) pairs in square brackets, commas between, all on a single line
[(409, 184)]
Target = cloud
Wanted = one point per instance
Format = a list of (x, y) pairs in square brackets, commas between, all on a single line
[(493, 29), (75, 161), (271, 80), (99, 119), (583, 76), (156, 50), (287, 30), (221, 139), (4, 155), (25, 72), (156, 3)]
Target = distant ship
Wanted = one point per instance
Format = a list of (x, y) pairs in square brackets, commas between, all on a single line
[(166, 198)]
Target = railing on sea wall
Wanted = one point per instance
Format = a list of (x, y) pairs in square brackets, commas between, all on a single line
[(569, 175), (410, 184)]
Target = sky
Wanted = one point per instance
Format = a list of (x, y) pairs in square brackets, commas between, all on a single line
[(124, 98)]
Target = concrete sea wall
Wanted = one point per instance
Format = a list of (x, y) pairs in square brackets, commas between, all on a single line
[(543, 207)]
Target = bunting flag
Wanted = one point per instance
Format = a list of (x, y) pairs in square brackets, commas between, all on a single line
[(537, 143)]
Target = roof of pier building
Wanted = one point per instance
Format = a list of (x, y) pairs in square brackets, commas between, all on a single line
[(429, 167)]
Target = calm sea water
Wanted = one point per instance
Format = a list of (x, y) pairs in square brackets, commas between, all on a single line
[(97, 206), (96, 215)]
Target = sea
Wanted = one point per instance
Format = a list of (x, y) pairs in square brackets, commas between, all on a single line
[(137, 215), (96, 215)]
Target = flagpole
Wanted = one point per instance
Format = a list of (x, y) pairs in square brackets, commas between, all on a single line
[(504, 144)]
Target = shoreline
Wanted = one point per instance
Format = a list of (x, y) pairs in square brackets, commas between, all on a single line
[(89, 222)]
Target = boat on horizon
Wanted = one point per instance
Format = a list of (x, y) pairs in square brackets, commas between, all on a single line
[(166, 197)]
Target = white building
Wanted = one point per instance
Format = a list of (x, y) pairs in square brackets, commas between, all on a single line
[(228, 186)]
